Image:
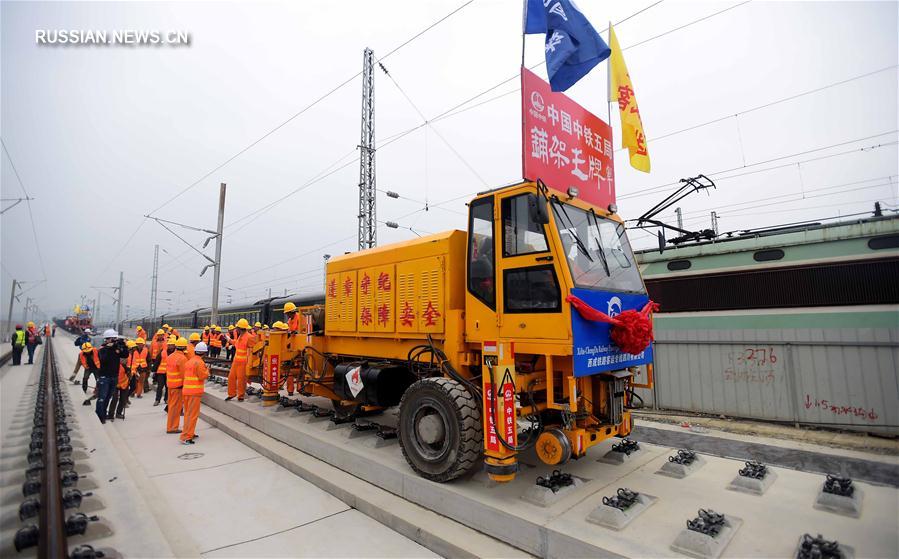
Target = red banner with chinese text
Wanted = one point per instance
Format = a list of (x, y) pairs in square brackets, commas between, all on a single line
[(564, 144)]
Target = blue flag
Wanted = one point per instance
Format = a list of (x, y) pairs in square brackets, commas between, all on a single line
[(573, 47)]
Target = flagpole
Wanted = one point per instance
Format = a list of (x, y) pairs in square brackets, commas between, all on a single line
[(609, 82), (609, 109), (524, 23)]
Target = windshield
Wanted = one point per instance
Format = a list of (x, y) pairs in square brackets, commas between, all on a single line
[(597, 250)]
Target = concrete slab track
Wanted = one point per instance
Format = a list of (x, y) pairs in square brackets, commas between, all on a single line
[(772, 522)]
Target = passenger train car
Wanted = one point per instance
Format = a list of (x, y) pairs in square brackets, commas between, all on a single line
[(797, 323), (265, 311)]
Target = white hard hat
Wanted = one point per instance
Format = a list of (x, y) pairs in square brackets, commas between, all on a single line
[(110, 333), (200, 348)]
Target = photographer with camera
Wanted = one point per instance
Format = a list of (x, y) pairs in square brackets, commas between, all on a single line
[(111, 352)]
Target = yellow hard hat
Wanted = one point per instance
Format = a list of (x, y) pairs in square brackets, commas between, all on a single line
[(172, 340), (257, 324), (265, 326), (181, 343), (160, 331), (289, 307), (166, 326), (140, 341), (86, 346), (206, 328), (242, 323), (279, 325), (218, 328), (195, 337), (130, 344), (230, 327), (30, 324)]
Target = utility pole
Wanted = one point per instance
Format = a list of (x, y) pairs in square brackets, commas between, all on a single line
[(154, 284), (12, 299), (680, 218), (118, 310), (715, 222), (368, 230), (97, 308), (218, 255), (25, 310), (325, 257)]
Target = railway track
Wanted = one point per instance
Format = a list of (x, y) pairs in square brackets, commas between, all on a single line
[(5, 358), (50, 475)]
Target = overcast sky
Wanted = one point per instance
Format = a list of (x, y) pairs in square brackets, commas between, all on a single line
[(102, 135)]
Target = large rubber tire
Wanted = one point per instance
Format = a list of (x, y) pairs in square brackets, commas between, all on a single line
[(440, 429)]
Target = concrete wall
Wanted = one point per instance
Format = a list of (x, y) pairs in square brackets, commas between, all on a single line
[(842, 378)]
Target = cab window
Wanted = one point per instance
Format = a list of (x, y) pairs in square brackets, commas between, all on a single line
[(521, 234), (481, 269), (531, 290)]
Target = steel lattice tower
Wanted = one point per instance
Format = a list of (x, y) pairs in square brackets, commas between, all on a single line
[(368, 225), (154, 279)]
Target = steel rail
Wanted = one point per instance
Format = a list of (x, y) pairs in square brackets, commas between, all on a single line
[(52, 523)]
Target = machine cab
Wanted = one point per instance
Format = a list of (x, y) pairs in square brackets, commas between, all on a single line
[(528, 249)]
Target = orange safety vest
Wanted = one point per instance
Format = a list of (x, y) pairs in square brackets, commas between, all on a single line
[(96, 360), (123, 378), (156, 346), (162, 362), (138, 358), (215, 340), (241, 344), (294, 323), (190, 350), (195, 374), (205, 337), (141, 333), (174, 369), (175, 333)]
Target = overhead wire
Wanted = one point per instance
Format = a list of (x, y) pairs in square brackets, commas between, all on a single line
[(37, 244), (654, 189), (302, 111)]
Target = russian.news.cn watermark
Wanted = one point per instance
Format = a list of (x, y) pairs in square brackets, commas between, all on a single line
[(120, 37)]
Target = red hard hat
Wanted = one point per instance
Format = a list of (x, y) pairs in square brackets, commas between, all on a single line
[(18, 326)]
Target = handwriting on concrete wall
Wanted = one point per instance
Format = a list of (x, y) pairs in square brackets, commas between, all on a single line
[(751, 364), (840, 409)]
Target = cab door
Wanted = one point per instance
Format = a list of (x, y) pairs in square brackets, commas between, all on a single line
[(529, 298)]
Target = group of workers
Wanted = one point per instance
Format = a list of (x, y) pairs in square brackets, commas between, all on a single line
[(124, 368), (28, 338)]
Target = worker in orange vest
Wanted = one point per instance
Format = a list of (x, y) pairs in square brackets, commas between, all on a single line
[(140, 366), (174, 365), (141, 333), (32, 340), (215, 341), (119, 399), (195, 375), (162, 365), (293, 318), (206, 335), (243, 341), (89, 359), (192, 342)]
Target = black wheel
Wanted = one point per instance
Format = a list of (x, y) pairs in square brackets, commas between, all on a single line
[(440, 429)]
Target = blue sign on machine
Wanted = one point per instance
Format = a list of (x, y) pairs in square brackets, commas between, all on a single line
[(594, 351)]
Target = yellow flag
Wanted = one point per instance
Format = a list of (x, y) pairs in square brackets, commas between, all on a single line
[(622, 90)]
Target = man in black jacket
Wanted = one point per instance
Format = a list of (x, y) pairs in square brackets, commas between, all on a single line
[(112, 352)]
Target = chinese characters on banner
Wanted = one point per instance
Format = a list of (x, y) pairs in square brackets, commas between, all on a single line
[(565, 145)]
